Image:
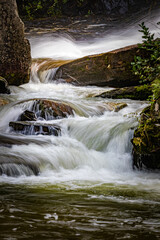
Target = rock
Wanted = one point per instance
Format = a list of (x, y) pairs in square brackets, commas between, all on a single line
[(3, 102), (51, 109), (111, 69), (57, 109), (4, 86), (15, 54), (116, 107), (28, 116), (44, 64), (35, 128), (146, 140), (47, 109), (135, 93)]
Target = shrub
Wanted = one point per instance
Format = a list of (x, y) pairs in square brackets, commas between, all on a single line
[(147, 68)]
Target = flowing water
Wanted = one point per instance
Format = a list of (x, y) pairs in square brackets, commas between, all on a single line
[(86, 187)]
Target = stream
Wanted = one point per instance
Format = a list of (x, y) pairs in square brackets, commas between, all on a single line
[(86, 187)]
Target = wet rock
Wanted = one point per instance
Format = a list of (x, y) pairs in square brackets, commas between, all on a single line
[(135, 93), (4, 86), (3, 102), (146, 140), (116, 107), (28, 116), (35, 128), (111, 69), (47, 109), (50, 109), (15, 54)]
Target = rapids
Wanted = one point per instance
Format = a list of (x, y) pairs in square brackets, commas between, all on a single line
[(86, 187)]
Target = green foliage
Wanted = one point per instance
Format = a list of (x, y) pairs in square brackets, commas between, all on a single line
[(36, 8), (156, 89), (147, 68), (32, 9)]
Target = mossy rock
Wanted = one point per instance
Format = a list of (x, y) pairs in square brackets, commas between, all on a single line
[(146, 140), (111, 69), (134, 93)]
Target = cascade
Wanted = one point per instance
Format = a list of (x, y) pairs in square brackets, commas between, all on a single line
[(74, 175)]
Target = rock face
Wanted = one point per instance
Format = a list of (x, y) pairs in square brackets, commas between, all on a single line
[(134, 93), (15, 55), (109, 69), (146, 140)]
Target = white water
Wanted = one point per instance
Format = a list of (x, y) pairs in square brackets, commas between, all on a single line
[(95, 145), (66, 47)]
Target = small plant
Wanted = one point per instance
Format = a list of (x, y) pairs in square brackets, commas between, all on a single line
[(156, 89), (147, 68)]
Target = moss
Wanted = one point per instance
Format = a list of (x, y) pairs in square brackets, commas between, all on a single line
[(134, 93), (106, 60), (143, 90), (17, 78), (147, 136)]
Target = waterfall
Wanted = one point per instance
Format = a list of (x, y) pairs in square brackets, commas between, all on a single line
[(94, 139), (70, 175)]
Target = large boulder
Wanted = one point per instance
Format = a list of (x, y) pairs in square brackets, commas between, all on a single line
[(15, 54), (108, 69)]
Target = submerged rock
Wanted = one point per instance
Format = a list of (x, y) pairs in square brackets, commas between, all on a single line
[(135, 93), (4, 86), (111, 69), (35, 128), (146, 140)]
